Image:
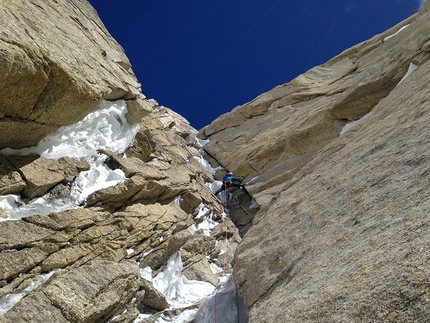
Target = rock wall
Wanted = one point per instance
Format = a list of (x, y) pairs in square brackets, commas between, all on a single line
[(96, 250), (57, 61), (343, 230)]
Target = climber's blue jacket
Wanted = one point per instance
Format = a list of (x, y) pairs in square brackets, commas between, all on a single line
[(230, 178), (229, 181)]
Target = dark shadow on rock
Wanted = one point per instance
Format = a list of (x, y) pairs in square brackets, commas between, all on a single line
[(240, 212)]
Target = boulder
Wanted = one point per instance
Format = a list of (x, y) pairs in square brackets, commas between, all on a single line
[(199, 244), (11, 181), (66, 256), (15, 262), (65, 221), (94, 292), (16, 235), (157, 258), (155, 180), (189, 201), (72, 167), (198, 268), (153, 298), (35, 308), (39, 173), (143, 147), (138, 108)]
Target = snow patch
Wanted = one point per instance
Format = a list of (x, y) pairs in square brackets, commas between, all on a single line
[(201, 143), (104, 128), (411, 69), (9, 300), (214, 186), (401, 29), (207, 224), (215, 268), (178, 290), (252, 180), (202, 160), (254, 204), (207, 165), (146, 273), (185, 316), (178, 199), (98, 177), (16, 208)]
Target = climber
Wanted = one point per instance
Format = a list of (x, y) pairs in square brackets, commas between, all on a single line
[(229, 181)]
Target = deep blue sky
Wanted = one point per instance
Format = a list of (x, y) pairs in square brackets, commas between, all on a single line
[(201, 58)]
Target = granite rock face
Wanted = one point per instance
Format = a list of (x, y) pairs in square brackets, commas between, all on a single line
[(281, 130), (342, 234), (337, 227), (95, 251), (57, 61)]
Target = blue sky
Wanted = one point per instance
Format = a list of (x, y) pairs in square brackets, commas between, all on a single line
[(202, 58)]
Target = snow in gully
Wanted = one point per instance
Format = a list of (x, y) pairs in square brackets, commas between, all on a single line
[(107, 128), (104, 128)]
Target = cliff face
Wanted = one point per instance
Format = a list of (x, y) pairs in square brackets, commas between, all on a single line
[(57, 61), (338, 161)]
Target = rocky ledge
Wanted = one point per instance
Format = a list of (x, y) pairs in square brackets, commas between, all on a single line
[(95, 252)]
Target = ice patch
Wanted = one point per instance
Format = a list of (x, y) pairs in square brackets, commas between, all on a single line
[(206, 164), (178, 199), (201, 143), (252, 180), (16, 209), (207, 224), (203, 210), (229, 305), (412, 67), (254, 204), (104, 128), (98, 177), (178, 290), (202, 160), (214, 186), (146, 273), (215, 269), (147, 253)]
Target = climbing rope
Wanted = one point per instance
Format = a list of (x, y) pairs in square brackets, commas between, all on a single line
[(225, 203), (226, 210)]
